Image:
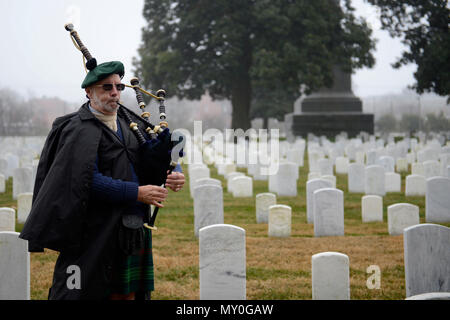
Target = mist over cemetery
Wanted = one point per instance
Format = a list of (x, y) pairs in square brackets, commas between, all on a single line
[(340, 218)]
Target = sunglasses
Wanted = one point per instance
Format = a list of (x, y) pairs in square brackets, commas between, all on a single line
[(109, 86)]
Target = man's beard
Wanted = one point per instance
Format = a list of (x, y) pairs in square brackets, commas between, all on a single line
[(107, 106)]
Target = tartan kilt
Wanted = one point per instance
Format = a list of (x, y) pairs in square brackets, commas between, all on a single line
[(134, 273)]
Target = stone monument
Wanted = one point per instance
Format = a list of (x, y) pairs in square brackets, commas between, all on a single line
[(331, 111)]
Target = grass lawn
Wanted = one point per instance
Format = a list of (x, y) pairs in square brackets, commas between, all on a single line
[(277, 268)]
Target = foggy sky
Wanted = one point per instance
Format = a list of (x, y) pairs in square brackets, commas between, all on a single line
[(39, 59)]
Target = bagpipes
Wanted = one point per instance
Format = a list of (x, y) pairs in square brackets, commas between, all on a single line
[(159, 148)]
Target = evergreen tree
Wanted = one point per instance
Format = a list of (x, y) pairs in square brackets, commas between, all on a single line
[(423, 26), (245, 51)]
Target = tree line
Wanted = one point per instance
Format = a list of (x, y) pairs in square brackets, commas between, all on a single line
[(28, 117), (413, 123)]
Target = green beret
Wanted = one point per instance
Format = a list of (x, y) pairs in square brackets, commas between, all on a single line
[(102, 71)]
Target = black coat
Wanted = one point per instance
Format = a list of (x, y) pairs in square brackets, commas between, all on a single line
[(64, 217)]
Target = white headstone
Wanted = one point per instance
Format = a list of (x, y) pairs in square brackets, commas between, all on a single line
[(401, 216), (313, 158), (203, 181), (437, 200), (242, 187), (431, 168), (296, 155), (263, 202), (417, 168), (311, 186), (22, 181), (342, 165), (230, 177), (330, 276), (330, 178), (371, 157), (325, 167), (34, 167), (195, 166), (431, 296), (360, 157), (208, 206), (387, 162), (195, 174), (402, 165), (415, 185), (392, 182), (411, 157), (328, 212), (222, 263), (374, 180), (286, 180), (444, 160), (427, 259), (13, 163), (24, 201), (7, 219), (372, 208), (273, 183), (279, 221), (355, 178), (229, 168), (314, 175), (2, 183), (4, 167), (14, 267), (259, 172)]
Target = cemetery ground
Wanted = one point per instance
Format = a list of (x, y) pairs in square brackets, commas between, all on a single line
[(276, 268)]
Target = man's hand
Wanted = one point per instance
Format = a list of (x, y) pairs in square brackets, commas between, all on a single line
[(175, 181), (150, 194)]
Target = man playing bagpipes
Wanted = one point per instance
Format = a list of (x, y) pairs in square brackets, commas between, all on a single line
[(93, 193)]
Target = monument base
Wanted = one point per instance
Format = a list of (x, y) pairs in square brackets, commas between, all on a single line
[(322, 102), (331, 124)]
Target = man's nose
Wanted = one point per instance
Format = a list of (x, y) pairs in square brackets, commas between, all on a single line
[(114, 91)]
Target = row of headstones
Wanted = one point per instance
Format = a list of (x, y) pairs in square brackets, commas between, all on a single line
[(436, 160), (284, 182), (10, 162), (294, 152), (222, 265), (321, 197), (238, 184), (375, 180), (325, 208), (253, 160), (23, 181), (328, 217), (428, 169), (355, 148), (8, 215), (327, 213), (208, 209)]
